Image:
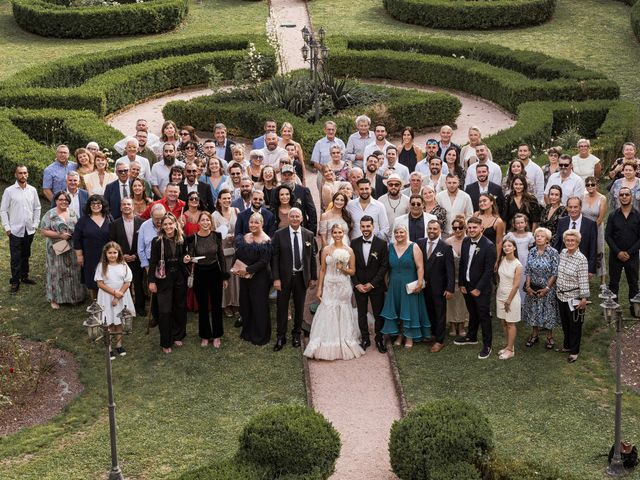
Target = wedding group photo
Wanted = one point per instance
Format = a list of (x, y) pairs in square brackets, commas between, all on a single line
[(268, 239)]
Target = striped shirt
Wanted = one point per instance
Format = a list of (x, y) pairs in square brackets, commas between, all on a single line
[(573, 276)]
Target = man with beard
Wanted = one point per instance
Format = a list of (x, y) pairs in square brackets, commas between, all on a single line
[(131, 154), (243, 202), (272, 152), (381, 143), (395, 203), (302, 198), (484, 185), (416, 220), (270, 126), (160, 173), (435, 179), (392, 163), (192, 184), (143, 150), (495, 173), (431, 151), (454, 201), (170, 202), (151, 140), (257, 206), (376, 180), (365, 205)]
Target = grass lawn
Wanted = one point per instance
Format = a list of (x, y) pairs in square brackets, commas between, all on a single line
[(593, 33), (541, 408), (20, 49), (175, 413)]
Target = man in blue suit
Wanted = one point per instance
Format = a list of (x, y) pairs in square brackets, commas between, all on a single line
[(243, 202), (79, 197), (114, 192), (475, 279), (587, 228), (242, 223)]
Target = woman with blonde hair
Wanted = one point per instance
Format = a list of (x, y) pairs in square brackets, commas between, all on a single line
[(457, 314), (95, 182), (468, 152)]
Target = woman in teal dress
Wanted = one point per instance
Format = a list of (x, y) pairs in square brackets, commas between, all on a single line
[(405, 314)]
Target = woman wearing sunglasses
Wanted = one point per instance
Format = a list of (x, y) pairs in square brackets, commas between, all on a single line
[(594, 207)]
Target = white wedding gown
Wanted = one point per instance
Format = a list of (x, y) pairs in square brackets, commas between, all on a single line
[(334, 332)]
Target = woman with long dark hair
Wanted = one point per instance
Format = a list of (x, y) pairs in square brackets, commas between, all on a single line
[(409, 154), (519, 200), (338, 214), (281, 204)]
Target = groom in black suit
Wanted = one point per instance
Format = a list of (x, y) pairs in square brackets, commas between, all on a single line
[(588, 229), (439, 277), (475, 279), (294, 269), (372, 263)]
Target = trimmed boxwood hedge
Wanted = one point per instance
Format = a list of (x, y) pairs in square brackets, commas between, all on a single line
[(55, 19), (466, 14)]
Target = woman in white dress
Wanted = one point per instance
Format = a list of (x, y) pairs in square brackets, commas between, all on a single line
[(507, 299), (334, 333), (523, 240)]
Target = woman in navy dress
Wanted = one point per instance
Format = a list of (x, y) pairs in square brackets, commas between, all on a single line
[(405, 314), (89, 238)]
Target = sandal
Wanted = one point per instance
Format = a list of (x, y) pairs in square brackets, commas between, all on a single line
[(562, 350), (550, 343), (532, 341)]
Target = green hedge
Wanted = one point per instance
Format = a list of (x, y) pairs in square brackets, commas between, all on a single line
[(522, 469), (468, 14), (635, 19), (49, 19), (26, 137)]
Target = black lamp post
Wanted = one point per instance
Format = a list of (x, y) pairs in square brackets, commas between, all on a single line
[(97, 330), (315, 52)]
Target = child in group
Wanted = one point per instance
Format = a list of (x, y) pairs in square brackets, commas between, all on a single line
[(113, 277)]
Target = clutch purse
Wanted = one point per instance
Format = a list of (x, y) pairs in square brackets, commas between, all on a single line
[(411, 286), (240, 265), (61, 246)]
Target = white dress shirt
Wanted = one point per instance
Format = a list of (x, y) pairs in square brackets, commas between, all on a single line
[(373, 146), (271, 157), (20, 210), (399, 169), (366, 248), (578, 222), (75, 202), (375, 210), (535, 178), (145, 168), (572, 186), (160, 174), (495, 173)]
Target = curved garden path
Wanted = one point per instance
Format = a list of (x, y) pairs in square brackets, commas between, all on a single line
[(359, 397)]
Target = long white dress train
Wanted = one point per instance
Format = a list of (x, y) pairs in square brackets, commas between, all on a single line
[(334, 333)]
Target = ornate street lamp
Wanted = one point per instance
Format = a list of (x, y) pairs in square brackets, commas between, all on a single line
[(316, 53)]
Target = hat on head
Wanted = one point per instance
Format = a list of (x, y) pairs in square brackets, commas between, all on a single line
[(432, 141), (394, 176), (287, 169), (256, 153)]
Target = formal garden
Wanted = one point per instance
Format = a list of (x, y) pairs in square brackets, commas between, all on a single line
[(239, 413)]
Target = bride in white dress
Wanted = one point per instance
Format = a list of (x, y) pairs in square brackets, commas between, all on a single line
[(334, 333)]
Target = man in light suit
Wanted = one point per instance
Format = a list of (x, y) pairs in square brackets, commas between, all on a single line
[(587, 228), (294, 269), (114, 192), (417, 220), (439, 279)]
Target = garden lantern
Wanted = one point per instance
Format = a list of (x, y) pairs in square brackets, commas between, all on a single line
[(126, 317), (316, 53), (635, 304)]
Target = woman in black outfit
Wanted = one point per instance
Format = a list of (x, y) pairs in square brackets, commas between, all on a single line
[(519, 200), (169, 249), (209, 278), (254, 250)]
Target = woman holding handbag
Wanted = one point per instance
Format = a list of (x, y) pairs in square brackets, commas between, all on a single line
[(209, 278), (168, 279)]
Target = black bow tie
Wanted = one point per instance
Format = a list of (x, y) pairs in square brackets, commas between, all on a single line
[(366, 241), (474, 243)]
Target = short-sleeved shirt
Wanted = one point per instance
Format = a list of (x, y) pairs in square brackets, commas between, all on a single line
[(54, 176)]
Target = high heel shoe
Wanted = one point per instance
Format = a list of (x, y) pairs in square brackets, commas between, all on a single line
[(532, 341)]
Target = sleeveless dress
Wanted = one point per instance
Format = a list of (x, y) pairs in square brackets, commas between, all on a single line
[(230, 294), (335, 334), (592, 214), (456, 308), (523, 245), (507, 272), (399, 306), (324, 230)]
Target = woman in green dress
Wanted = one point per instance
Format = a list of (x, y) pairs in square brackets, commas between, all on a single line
[(63, 271)]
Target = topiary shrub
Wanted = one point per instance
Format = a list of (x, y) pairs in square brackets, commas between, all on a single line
[(510, 468), (456, 471), (290, 440), (436, 435), (225, 470)]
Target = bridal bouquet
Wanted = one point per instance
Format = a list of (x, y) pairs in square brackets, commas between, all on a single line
[(341, 256)]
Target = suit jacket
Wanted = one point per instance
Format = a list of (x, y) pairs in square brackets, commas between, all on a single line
[(379, 188), (439, 269), (377, 264), (473, 190), (404, 220), (239, 204), (83, 198), (205, 193), (304, 201), (118, 235), (228, 154), (589, 242), (112, 196), (242, 222), (282, 258), (482, 263)]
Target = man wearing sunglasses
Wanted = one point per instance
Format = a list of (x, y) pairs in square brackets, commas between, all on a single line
[(118, 190), (192, 184), (572, 185)]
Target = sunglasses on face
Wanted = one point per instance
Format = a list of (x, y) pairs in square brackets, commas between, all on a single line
[(123, 171), (189, 148), (590, 184), (563, 165), (194, 199), (457, 228), (624, 194), (416, 204), (184, 133)]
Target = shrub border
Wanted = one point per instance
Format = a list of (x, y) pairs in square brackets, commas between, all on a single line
[(462, 14), (50, 19)]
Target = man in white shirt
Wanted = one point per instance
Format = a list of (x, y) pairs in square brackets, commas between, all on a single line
[(392, 163), (495, 173), (271, 151), (161, 171), (431, 152), (381, 142), (535, 177), (141, 125), (20, 214), (395, 203), (365, 205), (415, 185), (358, 141), (434, 178), (454, 201), (572, 185), (131, 154)]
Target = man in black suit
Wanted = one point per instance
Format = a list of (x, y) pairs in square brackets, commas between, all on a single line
[(439, 278), (475, 279), (257, 202), (588, 229), (372, 263), (302, 198), (192, 184), (124, 231), (115, 191), (483, 185), (294, 269)]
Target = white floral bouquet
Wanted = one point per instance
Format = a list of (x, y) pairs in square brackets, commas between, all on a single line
[(341, 256)]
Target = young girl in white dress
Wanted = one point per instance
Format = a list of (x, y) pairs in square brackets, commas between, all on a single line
[(335, 334), (508, 305), (113, 277)]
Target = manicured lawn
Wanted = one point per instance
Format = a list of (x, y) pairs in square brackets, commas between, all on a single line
[(175, 413), (541, 408), (20, 49), (593, 33)]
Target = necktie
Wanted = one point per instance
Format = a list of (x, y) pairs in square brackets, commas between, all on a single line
[(125, 194), (573, 225), (430, 250), (297, 262)]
